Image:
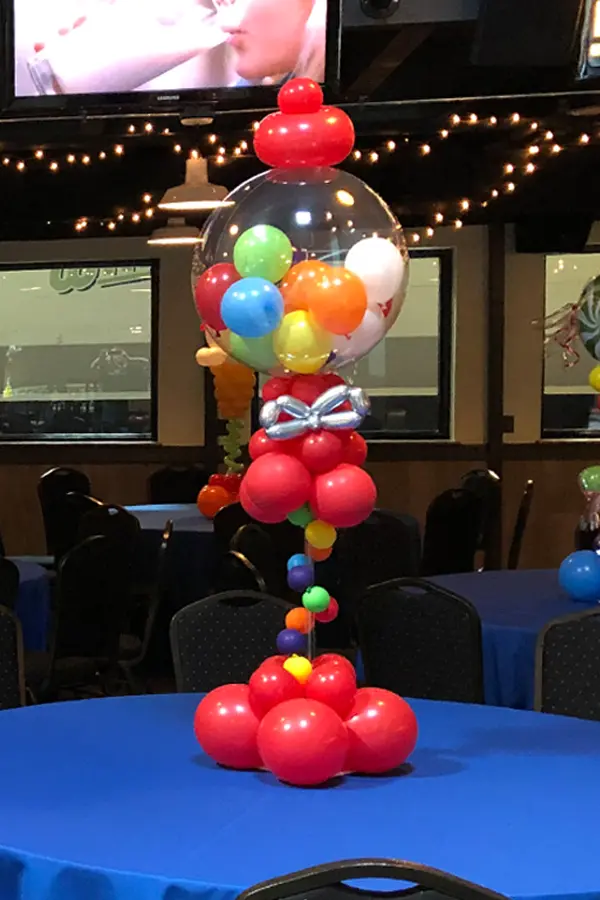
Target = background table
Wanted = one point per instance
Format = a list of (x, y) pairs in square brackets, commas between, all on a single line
[(185, 516), (514, 606), (33, 604), (114, 799)]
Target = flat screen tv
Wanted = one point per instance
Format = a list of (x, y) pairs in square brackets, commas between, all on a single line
[(81, 55)]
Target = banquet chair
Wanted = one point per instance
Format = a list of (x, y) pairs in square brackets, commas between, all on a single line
[(227, 523), (2, 550), (9, 583), (514, 553), (420, 640), (567, 671), (257, 547), (328, 881), (113, 522), (453, 529), (12, 671), (224, 638), (53, 488), (237, 573), (176, 484)]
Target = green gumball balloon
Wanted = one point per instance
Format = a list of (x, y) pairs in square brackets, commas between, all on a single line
[(301, 517), (589, 480), (263, 251), (315, 599), (257, 353)]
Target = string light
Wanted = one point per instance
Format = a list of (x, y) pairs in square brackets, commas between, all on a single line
[(444, 133), (464, 205), (473, 119), (534, 126), (455, 119), (493, 120), (439, 217), (147, 198), (357, 154), (515, 118), (131, 129), (119, 149), (85, 160), (495, 193), (177, 148), (71, 158), (425, 149), (511, 187), (458, 223), (556, 148), (373, 156), (39, 154), (530, 168), (212, 139), (416, 237), (148, 127), (533, 150), (584, 138), (53, 166), (549, 136), (391, 146), (509, 169), (430, 231)]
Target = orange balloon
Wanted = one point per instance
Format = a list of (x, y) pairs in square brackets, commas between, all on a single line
[(300, 619), (299, 284), (319, 555), (338, 301), (212, 498)]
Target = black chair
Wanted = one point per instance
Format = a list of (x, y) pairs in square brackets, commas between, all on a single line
[(224, 638), (12, 671), (420, 640), (2, 550), (237, 573), (567, 672), (93, 597), (53, 488), (113, 522), (514, 553), (329, 882), (176, 484), (9, 583), (453, 529), (257, 547), (227, 523)]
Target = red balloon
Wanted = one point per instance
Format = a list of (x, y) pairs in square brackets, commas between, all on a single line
[(321, 451), (343, 497), (260, 444), (335, 686), (329, 614), (231, 481), (308, 388), (333, 659), (332, 380), (271, 685), (323, 138), (279, 659), (275, 387), (355, 449), (226, 727), (274, 486), (382, 731), (303, 742), (300, 95), (209, 292)]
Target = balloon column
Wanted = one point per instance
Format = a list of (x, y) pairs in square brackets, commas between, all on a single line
[(579, 573), (301, 274)]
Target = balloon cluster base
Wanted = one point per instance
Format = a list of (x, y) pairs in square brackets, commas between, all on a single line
[(306, 722)]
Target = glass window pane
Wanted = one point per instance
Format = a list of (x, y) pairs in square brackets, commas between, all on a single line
[(569, 407), (76, 353)]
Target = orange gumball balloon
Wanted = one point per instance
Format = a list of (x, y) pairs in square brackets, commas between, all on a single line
[(300, 619), (299, 284), (338, 301), (212, 498), (319, 555)]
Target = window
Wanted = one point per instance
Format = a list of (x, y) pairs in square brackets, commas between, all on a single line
[(569, 407), (407, 376), (77, 354)]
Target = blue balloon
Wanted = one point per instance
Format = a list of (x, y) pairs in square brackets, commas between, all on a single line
[(298, 559), (291, 641), (252, 307), (579, 575)]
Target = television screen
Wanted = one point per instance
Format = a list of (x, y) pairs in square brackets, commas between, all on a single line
[(165, 48)]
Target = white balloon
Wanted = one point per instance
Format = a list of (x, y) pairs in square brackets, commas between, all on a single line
[(370, 331), (380, 266)]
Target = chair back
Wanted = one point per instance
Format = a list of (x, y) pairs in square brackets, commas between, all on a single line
[(224, 638), (329, 881), (227, 523), (256, 545), (453, 530), (176, 484), (514, 553), (567, 671), (113, 522), (93, 599), (53, 488), (12, 682), (420, 640), (2, 549), (237, 573), (485, 484), (9, 583)]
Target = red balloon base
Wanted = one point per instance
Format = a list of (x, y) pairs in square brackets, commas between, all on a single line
[(306, 734)]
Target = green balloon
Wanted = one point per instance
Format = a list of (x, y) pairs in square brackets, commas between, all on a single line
[(301, 517), (257, 353), (589, 480), (315, 599), (263, 251)]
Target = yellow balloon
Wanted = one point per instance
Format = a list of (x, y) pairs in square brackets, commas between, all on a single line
[(300, 344), (594, 379), (320, 534), (300, 667)]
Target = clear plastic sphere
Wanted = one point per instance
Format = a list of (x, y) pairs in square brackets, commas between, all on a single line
[(303, 271)]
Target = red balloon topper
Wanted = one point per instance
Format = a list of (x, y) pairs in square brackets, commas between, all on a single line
[(304, 132)]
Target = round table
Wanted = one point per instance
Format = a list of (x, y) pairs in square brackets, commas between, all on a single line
[(33, 604), (513, 606), (114, 799), (185, 517)]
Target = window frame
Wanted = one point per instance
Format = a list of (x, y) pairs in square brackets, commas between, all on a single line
[(153, 264)]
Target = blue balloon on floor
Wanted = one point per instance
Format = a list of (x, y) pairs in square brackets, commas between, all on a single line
[(252, 307), (579, 575)]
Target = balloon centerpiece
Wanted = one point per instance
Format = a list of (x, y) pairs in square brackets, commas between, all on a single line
[(579, 573), (302, 273)]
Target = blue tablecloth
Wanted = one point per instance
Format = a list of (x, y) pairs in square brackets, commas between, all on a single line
[(185, 516), (113, 800), (33, 604), (514, 607)]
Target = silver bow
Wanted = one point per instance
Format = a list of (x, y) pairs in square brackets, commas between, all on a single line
[(320, 415)]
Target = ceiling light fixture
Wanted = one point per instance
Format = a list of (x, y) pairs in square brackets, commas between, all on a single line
[(174, 233), (196, 194)]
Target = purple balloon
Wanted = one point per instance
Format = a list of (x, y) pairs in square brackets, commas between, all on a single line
[(291, 641), (300, 578)]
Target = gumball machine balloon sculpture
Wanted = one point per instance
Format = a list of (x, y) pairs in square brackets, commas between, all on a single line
[(313, 269)]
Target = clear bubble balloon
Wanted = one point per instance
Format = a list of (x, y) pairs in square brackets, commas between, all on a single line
[(343, 282)]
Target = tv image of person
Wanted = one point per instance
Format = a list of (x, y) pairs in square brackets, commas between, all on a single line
[(119, 46)]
